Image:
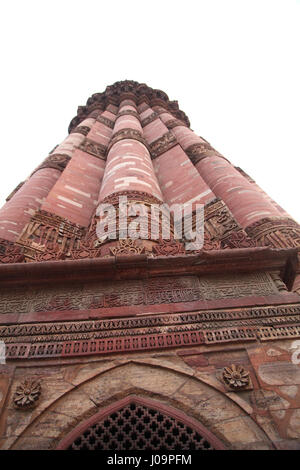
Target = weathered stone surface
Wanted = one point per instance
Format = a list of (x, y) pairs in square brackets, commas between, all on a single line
[(293, 430), (279, 373), (239, 431)]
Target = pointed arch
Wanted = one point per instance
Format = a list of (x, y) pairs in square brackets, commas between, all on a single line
[(140, 423)]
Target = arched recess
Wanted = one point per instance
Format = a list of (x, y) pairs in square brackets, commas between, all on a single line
[(91, 388), (140, 423)]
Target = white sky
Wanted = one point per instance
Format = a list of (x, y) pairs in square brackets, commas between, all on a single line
[(232, 65)]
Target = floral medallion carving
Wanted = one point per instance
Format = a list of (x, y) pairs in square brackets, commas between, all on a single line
[(27, 394), (236, 377)]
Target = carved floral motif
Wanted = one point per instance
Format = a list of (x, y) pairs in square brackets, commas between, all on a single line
[(10, 252), (127, 247), (168, 248), (27, 394), (236, 377)]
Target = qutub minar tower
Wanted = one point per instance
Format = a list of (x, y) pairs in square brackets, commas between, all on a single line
[(139, 343)]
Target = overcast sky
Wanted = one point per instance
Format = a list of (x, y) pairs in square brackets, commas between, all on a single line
[(233, 66)]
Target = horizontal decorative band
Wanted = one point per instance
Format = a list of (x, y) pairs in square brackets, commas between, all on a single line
[(57, 161), (127, 133), (129, 112), (147, 342), (107, 122), (84, 130), (161, 145), (213, 320), (174, 123), (105, 346), (93, 148), (149, 119), (197, 152)]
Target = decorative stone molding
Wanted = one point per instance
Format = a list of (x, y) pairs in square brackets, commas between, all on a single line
[(149, 119), (127, 247), (107, 122), (137, 196), (168, 248), (161, 145), (174, 123), (238, 239), (27, 394), (197, 152), (275, 232), (129, 112), (236, 377), (88, 337), (48, 236), (132, 90), (58, 161), (219, 221), (93, 148), (10, 252), (127, 133), (84, 130)]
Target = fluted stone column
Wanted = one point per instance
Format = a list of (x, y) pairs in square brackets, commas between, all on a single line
[(15, 214), (129, 166), (75, 195), (179, 180), (245, 201)]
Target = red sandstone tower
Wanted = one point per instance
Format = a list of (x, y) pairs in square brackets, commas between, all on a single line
[(141, 344)]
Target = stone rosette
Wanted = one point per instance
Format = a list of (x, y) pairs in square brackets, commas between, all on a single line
[(27, 394), (236, 377)]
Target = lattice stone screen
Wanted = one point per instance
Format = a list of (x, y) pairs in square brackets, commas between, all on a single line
[(139, 427)]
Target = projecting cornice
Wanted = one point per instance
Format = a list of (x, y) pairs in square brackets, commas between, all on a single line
[(128, 89)]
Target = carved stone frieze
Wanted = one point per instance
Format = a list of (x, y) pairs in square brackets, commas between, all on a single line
[(197, 152), (10, 252), (161, 145), (237, 239), (160, 290), (137, 196), (107, 122), (129, 112), (48, 236), (93, 148), (52, 339), (275, 232), (149, 119), (127, 247), (174, 123), (57, 161), (168, 248), (219, 221), (84, 130), (127, 133)]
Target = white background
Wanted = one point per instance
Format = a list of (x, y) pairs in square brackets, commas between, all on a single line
[(232, 65)]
